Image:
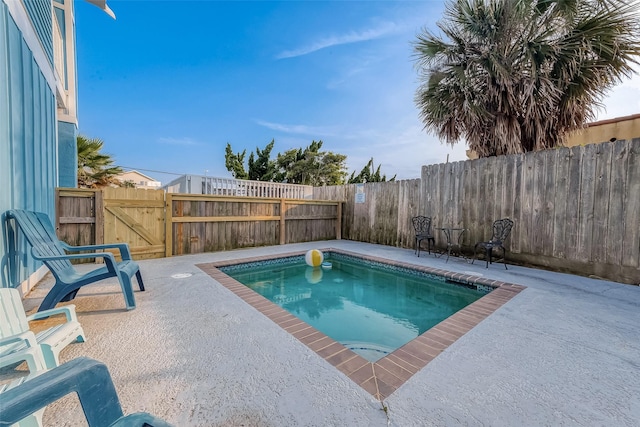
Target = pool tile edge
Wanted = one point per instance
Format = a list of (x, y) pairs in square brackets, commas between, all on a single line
[(383, 377)]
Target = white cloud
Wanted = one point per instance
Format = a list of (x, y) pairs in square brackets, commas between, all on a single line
[(381, 30), (177, 141), (345, 76), (358, 64), (623, 100), (402, 150), (298, 129)]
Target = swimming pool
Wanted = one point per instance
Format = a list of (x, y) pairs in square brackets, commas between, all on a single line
[(370, 308), (383, 377)]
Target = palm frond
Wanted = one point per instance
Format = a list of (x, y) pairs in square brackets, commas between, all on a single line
[(511, 76)]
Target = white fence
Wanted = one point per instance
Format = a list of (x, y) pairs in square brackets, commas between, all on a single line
[(197, 184)]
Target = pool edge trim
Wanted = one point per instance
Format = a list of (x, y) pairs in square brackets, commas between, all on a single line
[(383, 377)]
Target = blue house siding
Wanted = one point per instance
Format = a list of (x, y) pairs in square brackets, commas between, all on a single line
[(40, 14), (28, 140)]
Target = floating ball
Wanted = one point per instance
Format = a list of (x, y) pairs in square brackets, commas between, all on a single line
[(314, 258), (313, 275)]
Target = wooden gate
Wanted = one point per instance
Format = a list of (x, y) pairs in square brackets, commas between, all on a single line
[(134, 216)]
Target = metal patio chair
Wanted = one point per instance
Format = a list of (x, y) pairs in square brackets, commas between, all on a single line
[(501, 230), (422, 227)]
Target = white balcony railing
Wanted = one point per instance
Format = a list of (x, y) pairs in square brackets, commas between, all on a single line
[(198, 184)]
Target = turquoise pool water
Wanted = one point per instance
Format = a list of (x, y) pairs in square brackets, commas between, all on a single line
[(369, 308)]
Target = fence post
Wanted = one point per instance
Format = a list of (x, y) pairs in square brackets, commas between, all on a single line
[(339, 221), (283, 236), (98, 214), (168, 224), (58, 211)]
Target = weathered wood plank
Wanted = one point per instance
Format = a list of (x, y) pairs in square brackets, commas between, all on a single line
[(537, 200), (77, 192), (508, 194), (615, 221), (98, 211), (468, 189), (436, 211), (499, 187), (560, 197), (525, 225), (572, 228), (311, 217), (601, 202), (425, 184), (587, 199), (630, 242), (483, 199), (126, 203), (446, 202), (76, 220), (515, 244), (339, 221), (488, 195), (225, 218), (548, 200)]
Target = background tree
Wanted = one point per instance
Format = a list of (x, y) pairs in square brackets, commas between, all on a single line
[(367, 174), (261, 167), (288, 168), (310, 166), (95, 169), (512, 76), (234, 163), (297, 165)]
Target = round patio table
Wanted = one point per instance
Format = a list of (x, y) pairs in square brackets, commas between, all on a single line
[(453, 241)]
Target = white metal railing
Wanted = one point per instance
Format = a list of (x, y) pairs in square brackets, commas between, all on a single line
[(198, 184), (242, 187)]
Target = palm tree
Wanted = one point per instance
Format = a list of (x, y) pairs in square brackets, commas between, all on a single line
[(95, 169), (512, 76)]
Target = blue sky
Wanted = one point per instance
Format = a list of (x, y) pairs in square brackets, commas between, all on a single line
[(168, 83)]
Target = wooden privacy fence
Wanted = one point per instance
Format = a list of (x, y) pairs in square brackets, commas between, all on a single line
[(575, 209), (202, 223), (385, 215), (113, 215), (157, 224)]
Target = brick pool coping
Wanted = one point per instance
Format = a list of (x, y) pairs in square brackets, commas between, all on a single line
[(385, 376)]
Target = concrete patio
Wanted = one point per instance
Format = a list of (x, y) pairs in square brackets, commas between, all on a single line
[(565, 351)]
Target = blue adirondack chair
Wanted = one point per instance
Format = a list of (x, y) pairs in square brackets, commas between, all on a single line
[(39, 232), (33, 419), (88, 378)]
